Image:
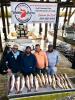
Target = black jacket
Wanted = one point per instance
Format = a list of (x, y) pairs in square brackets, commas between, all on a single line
[(12, 63)]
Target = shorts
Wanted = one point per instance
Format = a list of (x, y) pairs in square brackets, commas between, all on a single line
[(28, 73), (18, 74), (39, 71)]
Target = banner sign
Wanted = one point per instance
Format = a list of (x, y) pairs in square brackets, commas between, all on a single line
[(27, 12)]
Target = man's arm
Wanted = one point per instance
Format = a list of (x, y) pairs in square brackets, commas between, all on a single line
[(35, 62), (58, 58), (7, 64), (46, 60)]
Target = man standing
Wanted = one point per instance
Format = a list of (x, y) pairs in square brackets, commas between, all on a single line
[(42, 61), (28, 62), (13, 67), (53, 60), (13, 60)]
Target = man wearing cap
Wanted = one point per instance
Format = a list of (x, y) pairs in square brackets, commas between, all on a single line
[(53, 60), (28, 62)]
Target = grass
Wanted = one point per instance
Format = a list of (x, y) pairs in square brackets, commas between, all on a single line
[(56, 96)]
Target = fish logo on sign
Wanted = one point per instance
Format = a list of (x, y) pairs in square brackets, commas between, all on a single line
[(22, 12)]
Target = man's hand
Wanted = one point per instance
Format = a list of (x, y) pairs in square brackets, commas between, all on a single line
[(9, 71), (4, 71), (46, 68)]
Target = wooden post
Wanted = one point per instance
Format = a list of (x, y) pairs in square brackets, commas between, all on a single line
[(73, 1), (46, 27), (69, 16), (56, 27), (65, 19), (40, 28), (65, 16), (3, 21), (72, 13), (33, 24), (1, 49), (7, 18)]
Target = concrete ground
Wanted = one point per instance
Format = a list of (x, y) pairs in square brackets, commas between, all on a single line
[(64, 62), (65, 67)]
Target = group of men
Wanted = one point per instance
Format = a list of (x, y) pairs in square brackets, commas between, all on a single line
[(28, 62)]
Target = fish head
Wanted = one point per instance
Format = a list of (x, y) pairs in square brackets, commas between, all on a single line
[(27, 77), (31, 75), (37, 75)]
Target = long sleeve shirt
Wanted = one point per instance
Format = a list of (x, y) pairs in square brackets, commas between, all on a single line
[(53, 58), (28, 63), (42, 60)]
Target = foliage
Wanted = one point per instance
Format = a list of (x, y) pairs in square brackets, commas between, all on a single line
[(57, 96)]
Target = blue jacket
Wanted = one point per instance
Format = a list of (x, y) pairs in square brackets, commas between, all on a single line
[(14, 64), (28, 64)]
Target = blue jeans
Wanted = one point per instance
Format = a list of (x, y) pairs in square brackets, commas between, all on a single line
[(52, 70)]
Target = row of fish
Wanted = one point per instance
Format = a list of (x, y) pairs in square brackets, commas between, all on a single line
[(62, 81)]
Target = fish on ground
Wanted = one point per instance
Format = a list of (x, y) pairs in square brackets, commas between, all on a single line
[(39, 80), (42, 78), (65, 82), (22, 83), (12, 82), (28, 83), (46, 80), (68, 81), (36, 83), (31, 78), (58, 82), (17, 84), (53, 82), (49, 79)]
